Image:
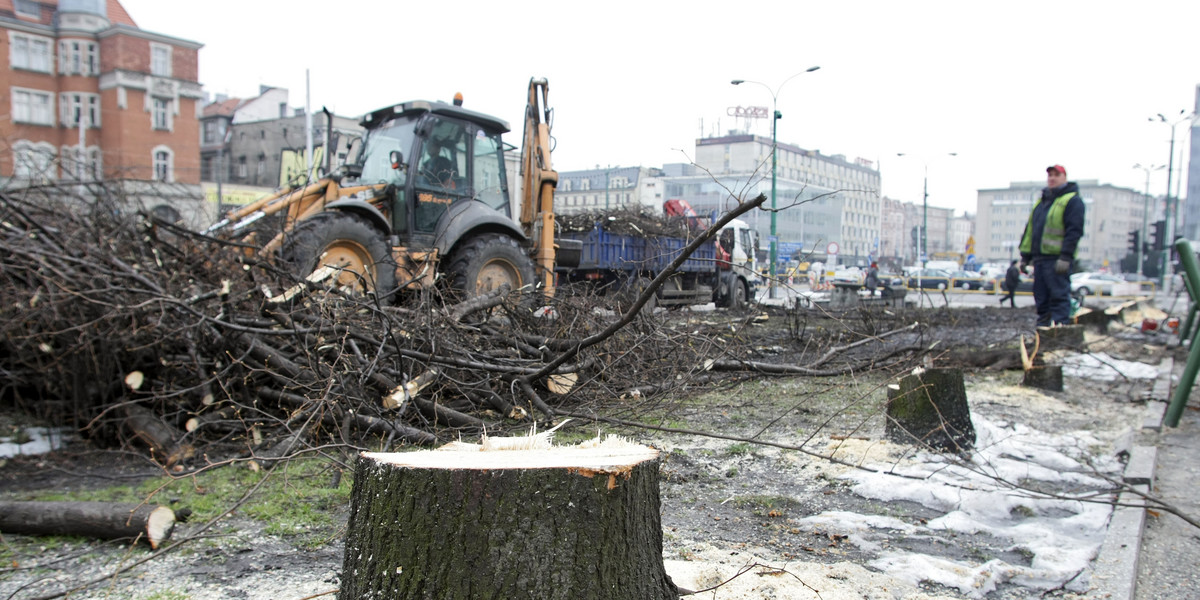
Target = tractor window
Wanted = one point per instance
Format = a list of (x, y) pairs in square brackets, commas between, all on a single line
[(441, 173), (491, 186), (376, 164)]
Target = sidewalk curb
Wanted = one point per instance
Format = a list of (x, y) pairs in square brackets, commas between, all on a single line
[(1115, 569)]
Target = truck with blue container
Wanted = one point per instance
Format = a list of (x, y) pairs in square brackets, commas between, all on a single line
[(621, 265)]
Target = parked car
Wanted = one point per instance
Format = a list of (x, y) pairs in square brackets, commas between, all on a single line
[(1025, 285), (929, 279), (1100, 284), (847, 275), (967, 280)]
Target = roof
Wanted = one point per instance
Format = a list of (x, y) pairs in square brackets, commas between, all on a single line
[(223, 108), (117, 15)]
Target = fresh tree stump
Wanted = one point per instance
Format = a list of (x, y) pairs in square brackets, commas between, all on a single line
[(579, 522), (105, 520), (1044, 377), (930, 407)]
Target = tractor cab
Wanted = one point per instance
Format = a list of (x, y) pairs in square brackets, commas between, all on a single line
[(435, 158)]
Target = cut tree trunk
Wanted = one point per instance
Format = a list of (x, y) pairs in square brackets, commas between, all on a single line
[(162, 438), (104, 520), (562, 523), (931, 407)]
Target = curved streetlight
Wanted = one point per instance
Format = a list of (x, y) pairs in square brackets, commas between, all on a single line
[(1169, 210), (1141, 256), (775, 116)]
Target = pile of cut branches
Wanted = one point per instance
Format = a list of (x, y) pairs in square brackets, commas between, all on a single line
[(138, 332), (628, 221)]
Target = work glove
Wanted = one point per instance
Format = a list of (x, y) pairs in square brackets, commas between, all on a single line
[(1062, 266), (1023, 267)]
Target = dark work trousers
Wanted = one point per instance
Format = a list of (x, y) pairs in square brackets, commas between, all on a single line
[(1011, 296), (1051, 293)]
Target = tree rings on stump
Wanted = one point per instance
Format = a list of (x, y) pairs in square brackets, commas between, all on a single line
[(930, 407), (576, 522)]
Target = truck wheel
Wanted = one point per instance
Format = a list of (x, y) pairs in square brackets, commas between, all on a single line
[(345, 242), (737, 295), (486, 262)]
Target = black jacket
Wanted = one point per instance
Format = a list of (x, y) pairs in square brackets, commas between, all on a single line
[(1072, 223), (1012, 278)]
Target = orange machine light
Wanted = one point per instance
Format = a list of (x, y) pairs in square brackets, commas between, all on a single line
[(458, 98)]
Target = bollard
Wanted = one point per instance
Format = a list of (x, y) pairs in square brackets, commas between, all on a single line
[(1175, 410)]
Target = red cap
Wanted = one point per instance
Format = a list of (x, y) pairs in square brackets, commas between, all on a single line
[(1059, 168)]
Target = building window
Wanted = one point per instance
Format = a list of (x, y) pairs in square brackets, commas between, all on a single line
[(34, 162), (241, 167), (212, 131), (73, 105), (164, 164), (32, 106), (78, 57), (91, 163), (30, 52), (160, 111), (28, 8), (160, 60)]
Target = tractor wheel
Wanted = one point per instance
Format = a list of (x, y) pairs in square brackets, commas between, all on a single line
[(346, 242), (486, 262)]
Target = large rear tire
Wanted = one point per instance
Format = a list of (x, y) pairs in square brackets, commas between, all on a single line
[(486, 262), (346, 242)]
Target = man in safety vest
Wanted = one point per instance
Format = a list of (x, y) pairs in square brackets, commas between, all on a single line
[(1051, 237)]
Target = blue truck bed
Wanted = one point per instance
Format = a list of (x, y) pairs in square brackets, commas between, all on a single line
[(617, 252)]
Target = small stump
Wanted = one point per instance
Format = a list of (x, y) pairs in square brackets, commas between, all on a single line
[(1044, 377), (1061, 337), (553, 523), (931, 407)]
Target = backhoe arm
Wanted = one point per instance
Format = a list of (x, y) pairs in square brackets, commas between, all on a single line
[(538, 180)]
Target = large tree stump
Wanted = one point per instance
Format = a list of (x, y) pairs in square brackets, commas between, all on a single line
[(931, 407), (563, 523), (105, 520)]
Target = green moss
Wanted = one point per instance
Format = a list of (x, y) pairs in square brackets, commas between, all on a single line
[(297, 499)]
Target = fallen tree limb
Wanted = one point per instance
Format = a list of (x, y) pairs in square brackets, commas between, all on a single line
[(105, 520)]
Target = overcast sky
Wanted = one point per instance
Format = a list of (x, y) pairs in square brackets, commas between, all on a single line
[(1011, 87)]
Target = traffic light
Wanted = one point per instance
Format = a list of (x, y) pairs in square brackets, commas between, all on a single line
[(1134, 240), (1160, 235)]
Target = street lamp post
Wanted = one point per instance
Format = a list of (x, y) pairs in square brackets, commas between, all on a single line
[(1141, 256), (924, 249), (775, 116), (1169, 209)]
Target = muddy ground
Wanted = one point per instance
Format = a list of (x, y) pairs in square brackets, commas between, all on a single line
[(724, 501)]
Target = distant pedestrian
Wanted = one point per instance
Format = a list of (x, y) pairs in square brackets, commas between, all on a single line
[(1011, 280), (872, 280), (1049, 243)]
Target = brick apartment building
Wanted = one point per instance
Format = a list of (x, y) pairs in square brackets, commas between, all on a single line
[(72, 64)]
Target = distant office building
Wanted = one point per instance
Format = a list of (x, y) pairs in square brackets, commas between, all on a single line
[(1112, 212), (89, 96), (1190, 228), (819, 199), (608, 188)]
